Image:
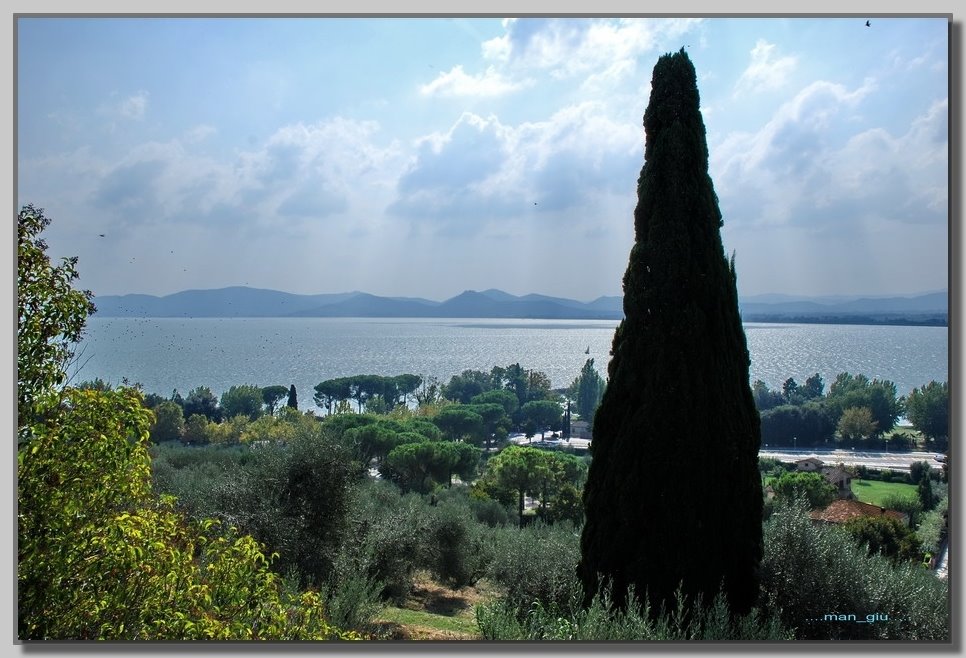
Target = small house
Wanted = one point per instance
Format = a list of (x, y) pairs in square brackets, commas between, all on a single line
[(840, 479), (809, 464)]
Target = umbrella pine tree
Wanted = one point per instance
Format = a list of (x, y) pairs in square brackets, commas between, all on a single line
[(673, 497)]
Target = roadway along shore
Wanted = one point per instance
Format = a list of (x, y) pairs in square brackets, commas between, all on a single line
[(895, 461)]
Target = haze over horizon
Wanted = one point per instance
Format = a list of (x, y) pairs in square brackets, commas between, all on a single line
[(422, 157)]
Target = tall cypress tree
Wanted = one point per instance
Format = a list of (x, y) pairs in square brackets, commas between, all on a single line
[(293, 398), (673, 496)]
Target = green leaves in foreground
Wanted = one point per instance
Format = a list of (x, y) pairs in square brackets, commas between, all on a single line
[(101, 558)]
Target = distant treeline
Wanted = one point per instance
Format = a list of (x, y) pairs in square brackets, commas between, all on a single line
[(856, 411), (897, 320)]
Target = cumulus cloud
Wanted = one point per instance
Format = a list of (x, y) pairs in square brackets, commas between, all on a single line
[(806, 168), (482, 173), (457, 82), (307, 171), (765, 70), (577, 46)]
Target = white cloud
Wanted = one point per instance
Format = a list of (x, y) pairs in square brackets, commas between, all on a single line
[(457, 82), (134, 107), (810, 167), (481, 173), (302, 171), (567, 47), (764, 72)]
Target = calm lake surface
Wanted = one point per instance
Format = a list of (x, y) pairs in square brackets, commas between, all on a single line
[(163, 354)]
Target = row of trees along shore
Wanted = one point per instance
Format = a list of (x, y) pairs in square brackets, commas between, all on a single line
[(482, 408), (289, 538), (856, 411)]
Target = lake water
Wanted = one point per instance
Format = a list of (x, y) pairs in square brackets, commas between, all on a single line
[(163, 354)]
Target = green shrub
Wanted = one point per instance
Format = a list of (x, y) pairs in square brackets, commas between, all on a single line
[(810, 571), (600, 621), (536, 563), (457, 546), (932, 528), (387, 537)]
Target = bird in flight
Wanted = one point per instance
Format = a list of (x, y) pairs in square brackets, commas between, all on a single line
[(868, 24), (101, 234)]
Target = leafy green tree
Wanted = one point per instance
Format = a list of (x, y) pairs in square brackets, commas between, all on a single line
[(202, 401), (518, 470), (856, 424), (928, 409), (99, 556), (908, 505), (790, 391), (169, 422), (272, 395), (764, 397), (425, 428), (152, 400), (918, 471), (879, 396), (407, 385), (813, 487), (516, 380), (502, 397), (293, 398), (678, 388), (814, 387), (588, 390), (885, 535), (545, 414), (373, 441), (457, 422), (228, 431), (244, 400), (496, 422), (807, 425), (429, 392), (465, 386), (538, 386), (196, 430), (422, 465), (331, 391), (50, 316)]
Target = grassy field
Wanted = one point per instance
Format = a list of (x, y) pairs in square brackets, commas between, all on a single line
[(874, 492), (434, 612)]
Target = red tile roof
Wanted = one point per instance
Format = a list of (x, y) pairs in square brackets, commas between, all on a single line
[(840, 511)]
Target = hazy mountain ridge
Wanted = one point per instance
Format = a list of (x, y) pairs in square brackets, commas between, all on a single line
[(239, 301)]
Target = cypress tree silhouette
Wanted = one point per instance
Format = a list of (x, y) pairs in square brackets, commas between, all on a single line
[(673, 496), (293, 398)]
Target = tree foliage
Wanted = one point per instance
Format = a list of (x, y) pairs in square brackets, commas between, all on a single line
[(856, 423), (272, 395), (588, 390), (927, 408), (678, 388), (856, 391), (50, 316), (202, 401), (99, 556), (244, 400), (813, 487), (169, 422)]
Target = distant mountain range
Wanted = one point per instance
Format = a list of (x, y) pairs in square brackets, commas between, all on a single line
[(241, 301)]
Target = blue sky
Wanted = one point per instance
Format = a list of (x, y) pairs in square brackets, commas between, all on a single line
[(427, 156)]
